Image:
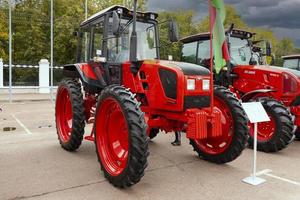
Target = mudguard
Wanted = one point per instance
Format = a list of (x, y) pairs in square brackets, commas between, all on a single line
[(90, 79), (246, 97)]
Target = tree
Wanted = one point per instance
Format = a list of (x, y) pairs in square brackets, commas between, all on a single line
[(3, 34), (186, 26)]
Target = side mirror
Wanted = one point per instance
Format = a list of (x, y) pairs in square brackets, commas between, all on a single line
[(173, 31), (268, 49), (115, 23)]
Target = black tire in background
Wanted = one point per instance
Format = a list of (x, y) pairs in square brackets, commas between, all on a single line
[(153, 133), (283, 134)]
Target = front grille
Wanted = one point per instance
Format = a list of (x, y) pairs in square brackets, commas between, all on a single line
[(169, 82), (196, 101)]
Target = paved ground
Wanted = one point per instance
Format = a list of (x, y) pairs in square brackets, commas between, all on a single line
[(16, 97), (33, 166)]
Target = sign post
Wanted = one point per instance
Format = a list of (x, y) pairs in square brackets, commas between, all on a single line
[(256, 114)]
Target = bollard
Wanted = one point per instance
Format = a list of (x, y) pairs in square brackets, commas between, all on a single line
[(44, 76), (1, 72)]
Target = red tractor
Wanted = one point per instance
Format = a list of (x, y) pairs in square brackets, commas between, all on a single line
[(276, 88), (121, 86)]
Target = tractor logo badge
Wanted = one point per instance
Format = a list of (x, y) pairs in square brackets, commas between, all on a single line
[(249, 72)]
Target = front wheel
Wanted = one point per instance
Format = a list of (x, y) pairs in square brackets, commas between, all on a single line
[(120, 136), (69, 114), (231, 143), (276, 134)]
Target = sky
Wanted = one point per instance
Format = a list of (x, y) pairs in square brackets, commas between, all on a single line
[(281, 16)]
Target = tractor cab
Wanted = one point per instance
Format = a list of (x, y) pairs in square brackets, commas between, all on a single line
[(292, 62), (106, 36)]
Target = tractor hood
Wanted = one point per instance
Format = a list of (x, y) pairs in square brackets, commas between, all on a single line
[(271, 69), (280, 69), (186, 68)]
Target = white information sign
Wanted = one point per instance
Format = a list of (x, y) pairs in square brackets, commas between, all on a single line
[(256, 114)]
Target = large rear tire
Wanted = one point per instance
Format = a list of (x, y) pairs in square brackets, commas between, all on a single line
[(120, 137), (69, 114), (230, 145), (276, 134)]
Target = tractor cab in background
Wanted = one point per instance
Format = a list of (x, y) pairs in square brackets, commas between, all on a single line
[(291, 62)]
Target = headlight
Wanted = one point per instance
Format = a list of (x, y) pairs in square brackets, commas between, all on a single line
[(191, 84), (205, 84)]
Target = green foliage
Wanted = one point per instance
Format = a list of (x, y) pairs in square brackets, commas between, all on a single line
[(3, 35), (186, 27)]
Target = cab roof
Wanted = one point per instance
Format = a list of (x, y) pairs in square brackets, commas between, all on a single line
[(291, 56), (205, 36), (119, 9)]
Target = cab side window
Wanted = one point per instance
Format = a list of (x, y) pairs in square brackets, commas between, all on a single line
[(97, 40), (203, 57), (85, 40), (189, 52)]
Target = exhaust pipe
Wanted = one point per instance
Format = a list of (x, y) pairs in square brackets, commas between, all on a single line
[(133, 37)]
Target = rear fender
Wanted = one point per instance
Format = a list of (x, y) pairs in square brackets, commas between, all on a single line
[(250, 95)]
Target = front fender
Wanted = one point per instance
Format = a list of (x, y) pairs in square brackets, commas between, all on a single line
[(71, 71), (85, 73), (246, 97)]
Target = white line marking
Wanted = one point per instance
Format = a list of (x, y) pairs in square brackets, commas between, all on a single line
[(267, 172), (283, 179), (263, 172), (21, 124)]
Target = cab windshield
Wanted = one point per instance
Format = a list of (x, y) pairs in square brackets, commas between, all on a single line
[(199, 52), (291, 63), (240, 51), (118, 48)]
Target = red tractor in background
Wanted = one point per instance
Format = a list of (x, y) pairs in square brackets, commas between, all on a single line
[(276, 88), (121, 86)]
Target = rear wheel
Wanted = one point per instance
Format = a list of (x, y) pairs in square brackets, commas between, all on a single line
[(230, 145), (69, 114), (276, 134), (120, 137)]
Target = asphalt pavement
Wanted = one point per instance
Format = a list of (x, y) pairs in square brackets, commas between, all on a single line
[(34, 166)]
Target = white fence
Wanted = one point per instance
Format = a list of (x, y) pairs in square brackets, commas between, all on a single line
[(43, 87)]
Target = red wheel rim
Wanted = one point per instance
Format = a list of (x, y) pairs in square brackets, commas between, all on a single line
[(64, 114), (217, 145), (112, 136), (265, 130)]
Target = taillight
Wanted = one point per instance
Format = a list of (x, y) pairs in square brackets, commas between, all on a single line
[(290, 84)]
